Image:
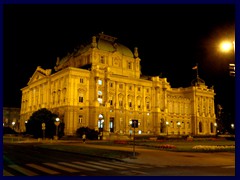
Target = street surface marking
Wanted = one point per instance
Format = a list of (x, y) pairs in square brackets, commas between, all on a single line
[(91, 165), (107, 165), (122, 164), (61, 167), (228, 167), (139, 172), (76, 166), (46, 170), (23, 170), (6, 173)]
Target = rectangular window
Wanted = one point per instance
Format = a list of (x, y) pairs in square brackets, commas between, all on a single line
[(139, 89), (111, 84), (80, 119), (130, 88), (129, 65), (111, 102), (102, 60), (120, 86), (148, 107), (120, 103), (81, 80), (130, 104), (139, 103), (80, 99)]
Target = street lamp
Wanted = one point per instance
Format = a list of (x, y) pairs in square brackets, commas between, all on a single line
[(227, 46), (13, 123), (178, 125), (57, 122), (215, 125), (167, 124)]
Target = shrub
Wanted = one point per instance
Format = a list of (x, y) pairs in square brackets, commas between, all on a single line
[(90, 133)]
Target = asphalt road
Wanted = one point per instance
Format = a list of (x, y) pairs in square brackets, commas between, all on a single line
[(29, 160)]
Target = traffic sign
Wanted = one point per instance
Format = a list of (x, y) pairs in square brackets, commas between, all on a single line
[(134, 123)]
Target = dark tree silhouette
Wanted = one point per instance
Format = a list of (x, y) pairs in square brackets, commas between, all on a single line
[(34, 125)]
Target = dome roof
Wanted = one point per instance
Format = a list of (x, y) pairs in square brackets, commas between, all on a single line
[(102, 42), (107, 43)]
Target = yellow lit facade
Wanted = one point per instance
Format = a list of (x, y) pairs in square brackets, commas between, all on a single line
[(100, 86)]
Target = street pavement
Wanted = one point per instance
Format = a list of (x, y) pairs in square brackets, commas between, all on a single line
[(168, 158)]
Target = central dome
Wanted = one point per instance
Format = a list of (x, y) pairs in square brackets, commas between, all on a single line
[(107, 43)]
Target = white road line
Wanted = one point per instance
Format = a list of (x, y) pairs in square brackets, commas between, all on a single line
[(139, 172), (6, 173), (77, 167), (43, 169), (91, 165), (228, 167), (107, 165), (23, 170), (122, 164), (61, 167)]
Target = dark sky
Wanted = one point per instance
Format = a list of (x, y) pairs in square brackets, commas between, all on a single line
[(171, 39)]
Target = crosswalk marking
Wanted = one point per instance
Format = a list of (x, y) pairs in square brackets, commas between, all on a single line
[(73, 167), (139, 172), (23, 170), (6, 173), (61, 167), (121, 164), (76, 166), (107, 165), (46, 170), (91, 165)]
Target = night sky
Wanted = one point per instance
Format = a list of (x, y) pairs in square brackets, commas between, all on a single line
[(171, 39)]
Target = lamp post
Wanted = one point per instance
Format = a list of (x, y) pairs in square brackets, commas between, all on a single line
[(215, 125), (178, 125), (232, 127), (57, 122), (13, 123), (167, 124), (43, 129), (226, 47)]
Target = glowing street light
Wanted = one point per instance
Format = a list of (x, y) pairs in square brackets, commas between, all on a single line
[(167, 124), (227, 46), (178, 125), (57, 122), (215, 125), (13, 123)]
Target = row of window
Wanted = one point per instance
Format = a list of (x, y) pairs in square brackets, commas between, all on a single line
[(103, 61), (111, 84)]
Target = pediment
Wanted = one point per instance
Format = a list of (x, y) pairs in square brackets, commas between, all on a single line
[(37, 75)]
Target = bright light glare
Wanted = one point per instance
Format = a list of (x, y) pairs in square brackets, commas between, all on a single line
[(226, 46)]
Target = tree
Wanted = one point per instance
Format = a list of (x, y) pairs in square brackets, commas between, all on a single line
[(34, 125)]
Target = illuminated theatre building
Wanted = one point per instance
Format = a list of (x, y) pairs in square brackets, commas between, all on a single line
[(99, 86)]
